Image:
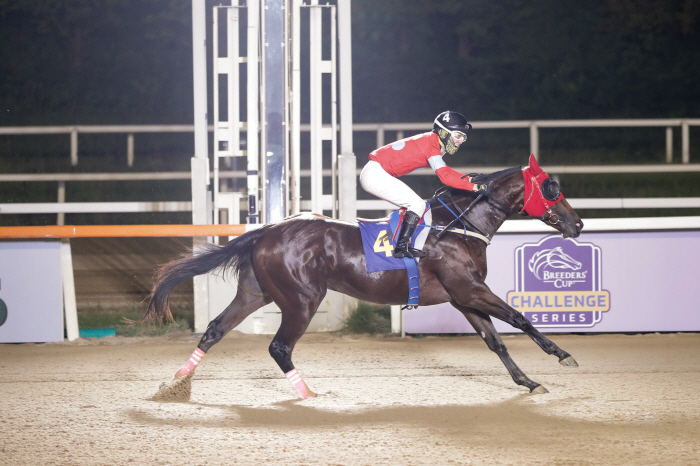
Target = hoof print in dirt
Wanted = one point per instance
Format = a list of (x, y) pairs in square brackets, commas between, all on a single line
[(177, 391)]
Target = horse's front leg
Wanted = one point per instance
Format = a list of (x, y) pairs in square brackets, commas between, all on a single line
[(479, 296), (484, 327)]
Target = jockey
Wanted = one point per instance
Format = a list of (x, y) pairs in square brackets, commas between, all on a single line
[(386, 164)]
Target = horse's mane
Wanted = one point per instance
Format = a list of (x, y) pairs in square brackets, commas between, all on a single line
[(480, 178)]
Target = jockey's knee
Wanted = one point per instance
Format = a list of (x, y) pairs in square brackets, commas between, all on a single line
[(417, 207)]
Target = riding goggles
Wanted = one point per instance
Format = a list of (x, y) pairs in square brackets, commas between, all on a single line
[(457, 136)]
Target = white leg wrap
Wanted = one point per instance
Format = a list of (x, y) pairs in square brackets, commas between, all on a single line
[(192, 363), (299, 384)]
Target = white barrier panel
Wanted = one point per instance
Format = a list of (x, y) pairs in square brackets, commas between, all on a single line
[(600, 282), (31, 308)]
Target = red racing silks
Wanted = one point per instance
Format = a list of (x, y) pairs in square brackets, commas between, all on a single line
[(535, 204), (454, 179)]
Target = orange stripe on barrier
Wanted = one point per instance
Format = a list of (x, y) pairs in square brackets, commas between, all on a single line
[(108, 231)]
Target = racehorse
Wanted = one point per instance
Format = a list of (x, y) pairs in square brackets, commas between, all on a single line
[(294, 262)]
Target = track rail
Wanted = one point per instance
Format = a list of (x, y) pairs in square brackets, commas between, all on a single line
[(113, 231)]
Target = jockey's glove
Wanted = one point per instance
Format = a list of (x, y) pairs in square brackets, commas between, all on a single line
[(483, 188)]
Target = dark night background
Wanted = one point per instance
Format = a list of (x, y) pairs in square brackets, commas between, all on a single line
[(130, 62)]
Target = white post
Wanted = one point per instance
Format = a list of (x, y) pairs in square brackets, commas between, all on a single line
[(669, 144), (130, 150), (396, 319), (685, 136), (253, 93), (316, 104), (347, 163), (535, 141), (217, 64), (70, 308), (200, 161), (334, 114), (74, 146), (61, 220), (380, 136), (295, 150)]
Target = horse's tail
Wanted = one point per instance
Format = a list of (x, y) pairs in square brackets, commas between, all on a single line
[(230, 259)]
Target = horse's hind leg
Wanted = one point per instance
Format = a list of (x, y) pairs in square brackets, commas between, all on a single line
[(291, 329), (484, 327), (298, 304), (249, 298)]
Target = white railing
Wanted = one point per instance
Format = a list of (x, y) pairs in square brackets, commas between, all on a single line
[(365, 205), (535, 125), (380, 129)]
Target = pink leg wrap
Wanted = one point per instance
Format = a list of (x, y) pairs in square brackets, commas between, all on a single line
[(299, 384), (191, 364)]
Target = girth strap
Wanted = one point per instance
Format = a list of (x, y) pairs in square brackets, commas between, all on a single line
[(483, 238)]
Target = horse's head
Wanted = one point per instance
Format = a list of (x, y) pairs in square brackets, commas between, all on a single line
[(529, 191), (543, 199)]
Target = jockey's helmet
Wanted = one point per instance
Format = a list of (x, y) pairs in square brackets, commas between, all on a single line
[(451, 128)]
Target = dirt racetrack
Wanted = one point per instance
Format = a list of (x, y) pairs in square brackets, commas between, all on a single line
[(435, 400)]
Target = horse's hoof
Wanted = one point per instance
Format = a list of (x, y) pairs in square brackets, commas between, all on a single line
[(539, 390), (570, 361), (178, 390)]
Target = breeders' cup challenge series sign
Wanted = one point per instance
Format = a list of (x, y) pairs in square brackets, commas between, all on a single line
[(559, 283)]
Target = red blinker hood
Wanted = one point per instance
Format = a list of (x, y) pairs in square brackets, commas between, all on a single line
[(533, 166), (535, 204)]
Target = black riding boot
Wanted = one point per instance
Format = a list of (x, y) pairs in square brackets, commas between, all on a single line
[(408, 226)]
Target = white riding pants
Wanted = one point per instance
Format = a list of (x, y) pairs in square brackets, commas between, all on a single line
[(375, 180)]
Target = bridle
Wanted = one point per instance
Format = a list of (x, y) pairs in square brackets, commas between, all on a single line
[(462, 216), (540, 193)]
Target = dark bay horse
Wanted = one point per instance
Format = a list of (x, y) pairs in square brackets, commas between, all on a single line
[(295, 261)]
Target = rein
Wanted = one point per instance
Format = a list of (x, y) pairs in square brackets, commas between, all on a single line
[(459, 218), (449, 227), (540, 194)]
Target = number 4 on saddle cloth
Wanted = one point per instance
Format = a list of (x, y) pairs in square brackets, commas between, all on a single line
[(379, 240)]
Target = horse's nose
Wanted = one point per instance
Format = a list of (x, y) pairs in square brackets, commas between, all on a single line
[(579, 227)]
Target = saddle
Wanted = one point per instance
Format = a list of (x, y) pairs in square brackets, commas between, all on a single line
[(379, 240)]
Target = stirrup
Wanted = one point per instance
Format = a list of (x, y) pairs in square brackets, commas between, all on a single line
[(409, 252)]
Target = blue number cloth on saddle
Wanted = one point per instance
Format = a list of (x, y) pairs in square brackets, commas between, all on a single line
[(379, 240)]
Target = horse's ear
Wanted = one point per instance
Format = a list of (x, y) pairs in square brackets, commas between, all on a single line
[(534, 167)]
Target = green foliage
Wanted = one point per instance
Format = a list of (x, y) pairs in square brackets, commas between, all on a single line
[(99, 318), (369, 318)]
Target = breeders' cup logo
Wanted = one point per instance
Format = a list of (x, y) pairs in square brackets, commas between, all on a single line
[(558, 283), (556, 259)]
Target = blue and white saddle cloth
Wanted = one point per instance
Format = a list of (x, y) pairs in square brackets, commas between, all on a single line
[(379, 240)]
